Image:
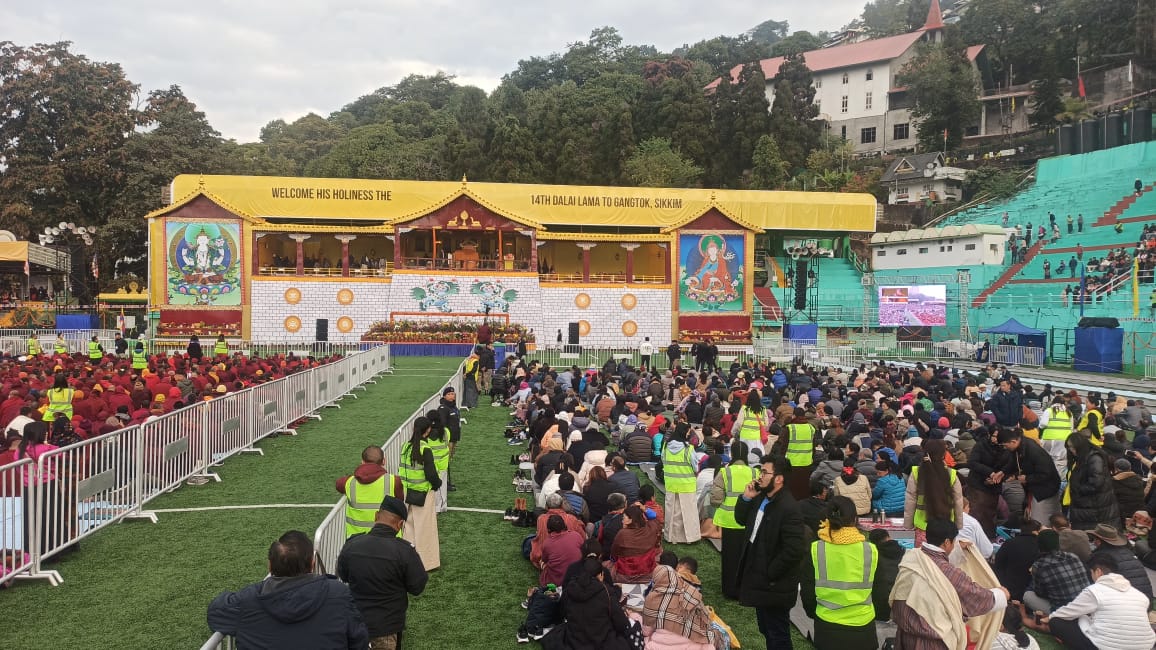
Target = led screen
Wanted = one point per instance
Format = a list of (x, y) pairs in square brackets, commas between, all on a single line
[(923, 305)]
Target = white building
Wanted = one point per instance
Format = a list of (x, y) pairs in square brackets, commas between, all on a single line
[(970, 245), (857, 91), (921, 178)]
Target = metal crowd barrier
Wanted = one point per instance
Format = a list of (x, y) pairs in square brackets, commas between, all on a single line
[(49, 504), (1150, 367), (1018, 355)]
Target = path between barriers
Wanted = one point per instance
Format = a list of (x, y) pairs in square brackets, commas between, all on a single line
[(140, 585)]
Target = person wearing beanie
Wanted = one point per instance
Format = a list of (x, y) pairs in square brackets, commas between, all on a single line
[(1128, 486), (451, 419)]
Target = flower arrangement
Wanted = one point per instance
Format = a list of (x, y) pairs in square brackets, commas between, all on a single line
[(442, 331)]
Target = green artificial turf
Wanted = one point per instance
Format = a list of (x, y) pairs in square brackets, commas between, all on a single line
[(140, 585)]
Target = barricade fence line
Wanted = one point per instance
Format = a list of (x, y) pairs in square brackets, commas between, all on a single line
[(49, 503), (1150, 367)]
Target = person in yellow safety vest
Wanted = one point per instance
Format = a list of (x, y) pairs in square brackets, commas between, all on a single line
[(33, 346), (838, 580), (221, 347), (680, 478), (365, 489), (140, 360), (419, 474), (752, 423), (95, 350), (800, 453), (439, 444), (59, 399), (1055, 427), (933, 492), (60, 346), (1093, 421), (724, 494)]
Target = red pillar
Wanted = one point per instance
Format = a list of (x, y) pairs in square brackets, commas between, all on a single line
[(586, 261), (256, 254), (630, 264), (666, 263), (344, 239), (300, 239)]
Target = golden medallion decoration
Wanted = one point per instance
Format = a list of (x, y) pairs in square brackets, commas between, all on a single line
[(629, 301), (292, 295), (629, 328), (345, 296), (583, 328), (582, 300), (345, 324), (292, 323)]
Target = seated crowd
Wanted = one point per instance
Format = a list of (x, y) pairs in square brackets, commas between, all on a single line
[(1019, 518), (85, 395)]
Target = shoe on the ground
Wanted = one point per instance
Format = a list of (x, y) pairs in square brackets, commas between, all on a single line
[(451, 488), (515, 441), (509, 516), (536, 634), (526, 604), (523, 636)]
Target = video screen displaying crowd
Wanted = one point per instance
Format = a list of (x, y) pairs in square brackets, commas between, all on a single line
[(959, 506), (78, 395)]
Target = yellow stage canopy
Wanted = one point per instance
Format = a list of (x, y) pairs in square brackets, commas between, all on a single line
[(551, 207)]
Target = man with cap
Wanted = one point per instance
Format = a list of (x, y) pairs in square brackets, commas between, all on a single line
[(381, 570), (452, 421)]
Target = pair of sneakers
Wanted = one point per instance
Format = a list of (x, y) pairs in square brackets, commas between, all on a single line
[(536, 634)]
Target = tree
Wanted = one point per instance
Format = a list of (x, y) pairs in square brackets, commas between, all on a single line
[(656, 164), (768, 169), (751, 116), (795, 43), (991, 182), (793, 113), (306, 139), (512, 157), (63, 123), (769, 32), (943, 88), (1047, 97), (1073, 110), (723, 53), (886, 18)]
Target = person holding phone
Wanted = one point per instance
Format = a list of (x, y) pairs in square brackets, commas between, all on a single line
[(774, 546)]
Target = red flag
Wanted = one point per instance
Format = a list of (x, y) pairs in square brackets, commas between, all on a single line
[(1081, 90)]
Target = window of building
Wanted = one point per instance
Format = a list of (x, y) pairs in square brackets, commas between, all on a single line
[(818, 102), (902, 131), (843, 132), (867, 135), (901, 251), (993, 248), (969, 247), (868, 102), (870, 75), (843, 109), (880, 253), (846, 78), (923, 250), (818, 83)]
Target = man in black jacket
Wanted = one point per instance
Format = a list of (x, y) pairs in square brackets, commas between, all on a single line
[(769, 562), (1007, 405), (293, 607), (1030, 465), (451, 419), (381, 570)]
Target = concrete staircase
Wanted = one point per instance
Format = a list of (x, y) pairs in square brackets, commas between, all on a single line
[(1109, 217), (1007, 275)]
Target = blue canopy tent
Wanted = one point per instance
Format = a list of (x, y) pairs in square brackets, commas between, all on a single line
[(1025, 336)]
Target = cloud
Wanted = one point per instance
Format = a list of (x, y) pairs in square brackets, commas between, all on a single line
[(246, 63)]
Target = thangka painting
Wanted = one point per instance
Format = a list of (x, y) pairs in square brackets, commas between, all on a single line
[(204, 263), (711, 272)]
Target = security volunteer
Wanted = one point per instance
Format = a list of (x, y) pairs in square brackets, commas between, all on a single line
[(365, 489), (837, 582), (419, 474), (724, 494)]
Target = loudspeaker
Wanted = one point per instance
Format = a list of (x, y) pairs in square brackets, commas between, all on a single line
[(801, 280), (322, 330), (573, 334)]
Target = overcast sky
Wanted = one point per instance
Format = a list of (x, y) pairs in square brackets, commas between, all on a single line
[(246, 62)]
